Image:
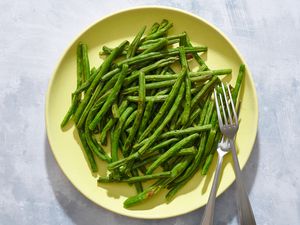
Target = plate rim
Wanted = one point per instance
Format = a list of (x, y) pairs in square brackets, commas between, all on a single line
[(126, 10)]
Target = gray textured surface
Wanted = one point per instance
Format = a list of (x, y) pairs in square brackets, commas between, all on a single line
[(33, 35)]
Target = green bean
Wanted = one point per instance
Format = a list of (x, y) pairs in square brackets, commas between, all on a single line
[(161, 77), (174, 120), (206, 165), (95, 147), (90, 91), (139, 115), (203, 112), (153, 29), (159, 55), (117, 132), (157, 46), (214, 119), (163, 24), (187, 101), (187, 151), (187, 131), (107, 50), (238, 83), (209, 112), (110, 74), (85, 62), (209, 158), (210, 141), (183, 40), (111, 98), (75, 97), (211, 72), (172, 151), (158, 98), (88, 152), (135, 43), (160, 32), (166, 105), (107, 180)]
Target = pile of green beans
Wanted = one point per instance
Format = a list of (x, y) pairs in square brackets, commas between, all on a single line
[(154, 109)]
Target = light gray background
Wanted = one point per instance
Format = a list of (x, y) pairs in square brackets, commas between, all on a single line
[(34, 34)]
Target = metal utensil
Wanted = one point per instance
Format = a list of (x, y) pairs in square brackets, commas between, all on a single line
[(223, 149), (229, 125)]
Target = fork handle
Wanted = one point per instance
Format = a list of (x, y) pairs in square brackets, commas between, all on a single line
[(245, 212), (208, 216)]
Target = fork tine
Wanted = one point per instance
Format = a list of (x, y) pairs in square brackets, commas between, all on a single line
[(218, 109), (227, 105), (232, 105), (224, 113)]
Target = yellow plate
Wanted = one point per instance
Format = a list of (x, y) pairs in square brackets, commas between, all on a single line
[(110, 31)]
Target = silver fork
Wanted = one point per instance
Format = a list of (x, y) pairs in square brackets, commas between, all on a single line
[(229, 126), (223, 149)]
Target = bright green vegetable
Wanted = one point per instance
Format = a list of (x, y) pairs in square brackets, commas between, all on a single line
[(111, 98), (85, 63), (238, 83), (187, 101), (75, 97), (157, 98), (139, 115), (135, 43), (88, 152), (117, 133)]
